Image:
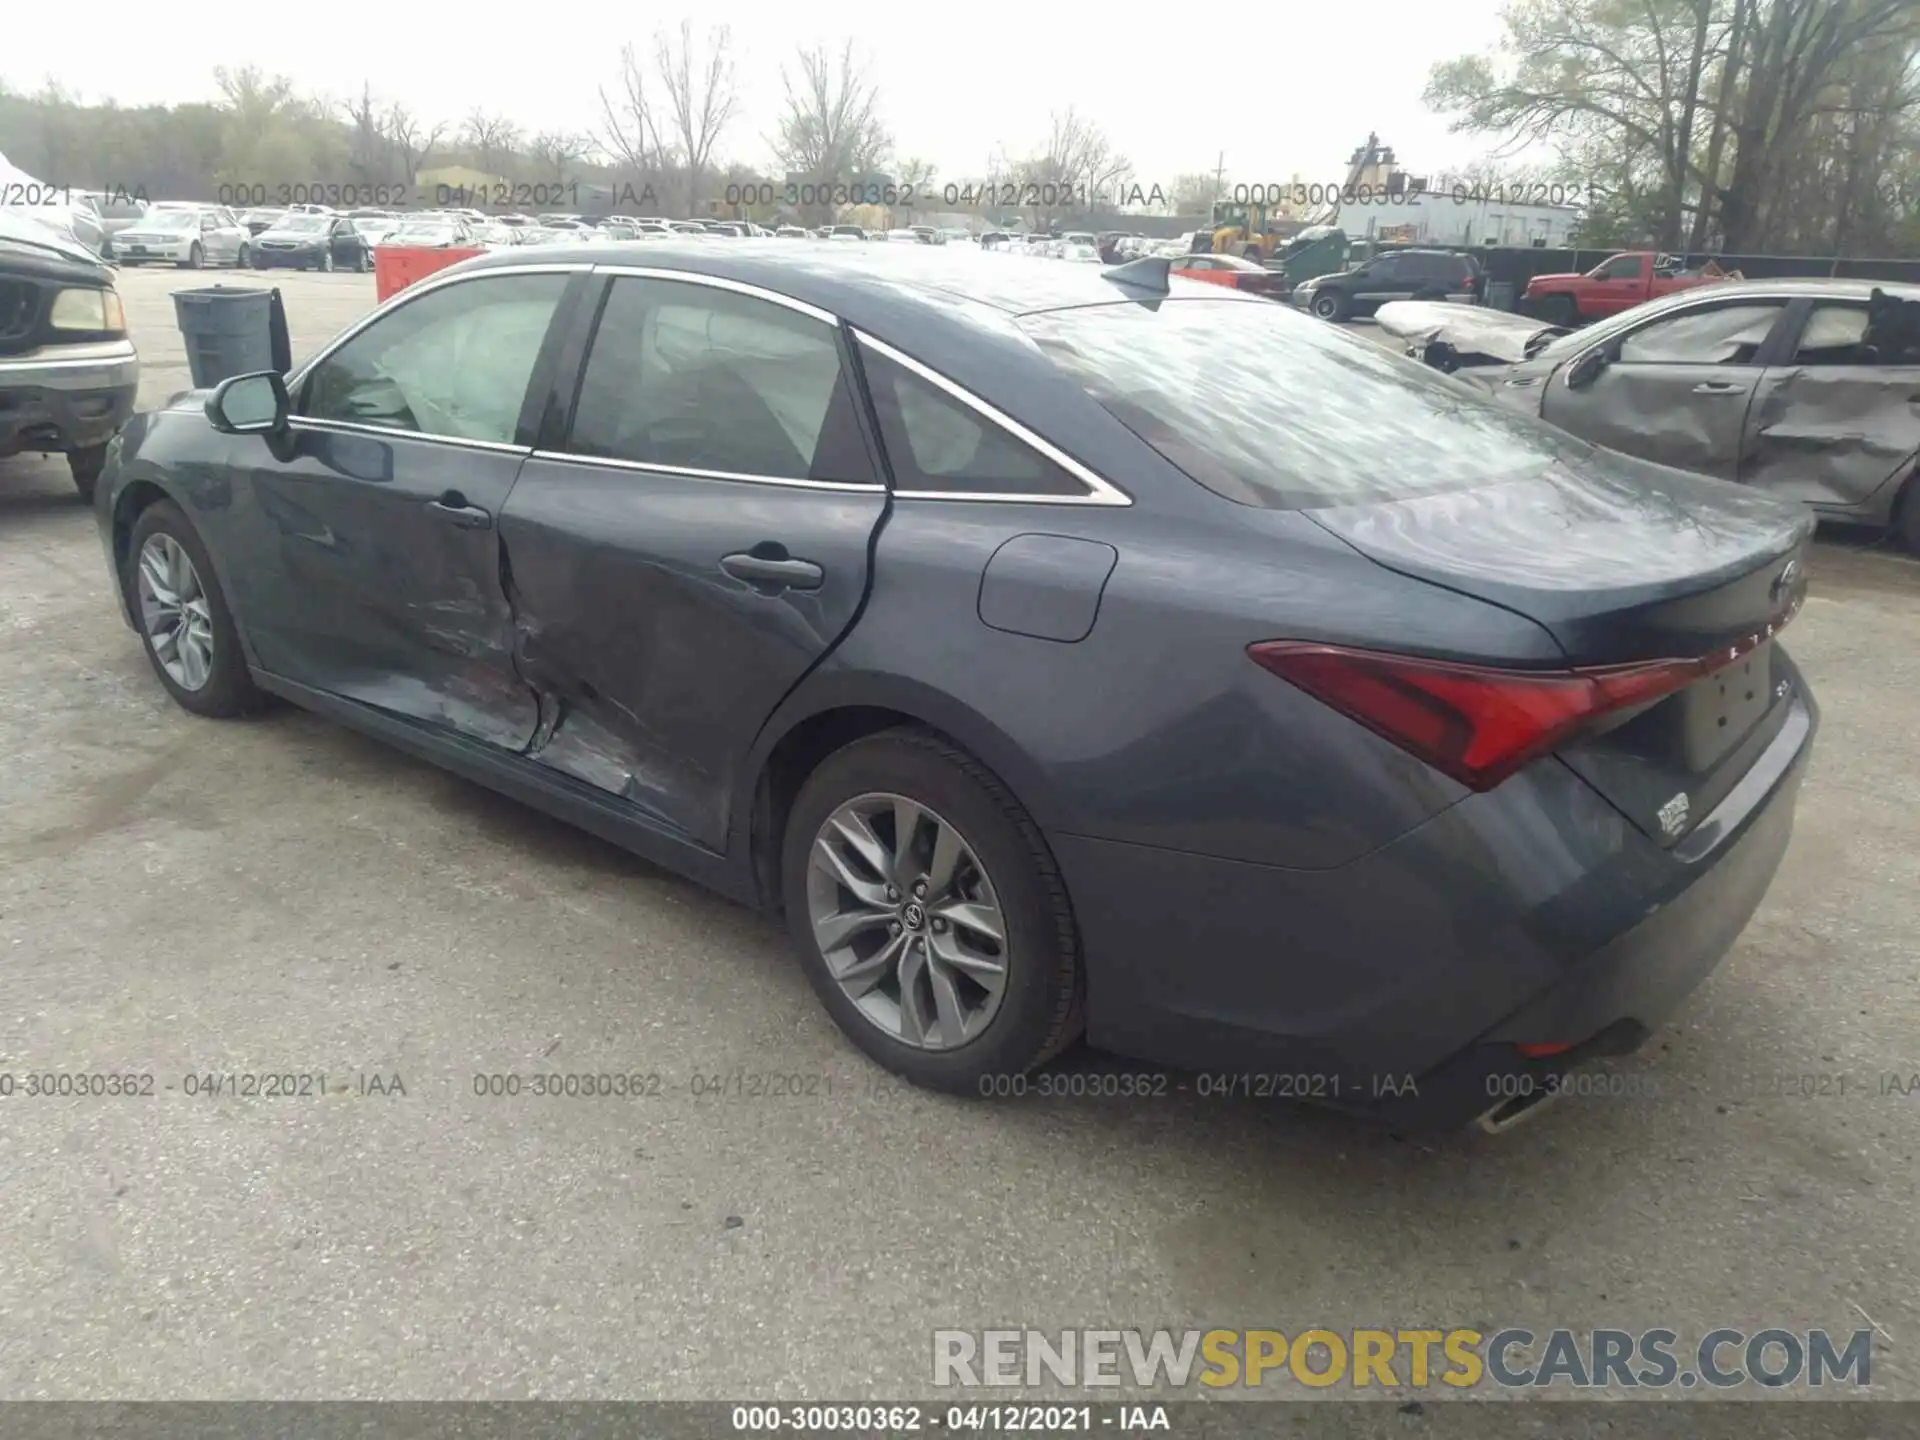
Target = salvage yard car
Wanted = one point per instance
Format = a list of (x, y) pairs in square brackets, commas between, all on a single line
[(1395, 275), (1805, 389), (68, 372), (1232, 271), (189, 236), (1311, 714), (303, 241)]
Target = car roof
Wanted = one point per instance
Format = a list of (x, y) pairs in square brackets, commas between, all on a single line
[(1794, 286), (1787, 288), (881, 284)]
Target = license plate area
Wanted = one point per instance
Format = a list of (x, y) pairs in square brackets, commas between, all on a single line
[(1718, 711)]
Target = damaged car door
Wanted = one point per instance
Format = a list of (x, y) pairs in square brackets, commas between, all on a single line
[(1840, 420), (692, 541), (374, 570), (1675, 390)]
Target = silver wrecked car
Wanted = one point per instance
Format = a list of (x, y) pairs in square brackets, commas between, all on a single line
[(1802, 388)]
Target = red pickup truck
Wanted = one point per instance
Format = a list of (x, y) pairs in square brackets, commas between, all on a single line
[(1617, 283)]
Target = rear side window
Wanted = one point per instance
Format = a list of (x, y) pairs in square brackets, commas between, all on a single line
[(693, 377), (941, 445), (1852, 334), (1305, 416)]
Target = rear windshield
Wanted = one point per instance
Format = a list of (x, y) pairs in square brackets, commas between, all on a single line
[(1272, 408)]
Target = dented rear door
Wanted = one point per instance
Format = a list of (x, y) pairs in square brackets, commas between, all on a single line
[(692, 543), (1840, 422)]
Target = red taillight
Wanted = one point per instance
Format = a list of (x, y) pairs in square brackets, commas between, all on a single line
[(1475, 723)]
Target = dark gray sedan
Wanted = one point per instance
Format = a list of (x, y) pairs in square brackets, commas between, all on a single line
[(1808, 389), (1303, 720)]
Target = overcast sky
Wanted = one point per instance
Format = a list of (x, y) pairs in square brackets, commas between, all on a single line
[(1281, 89)]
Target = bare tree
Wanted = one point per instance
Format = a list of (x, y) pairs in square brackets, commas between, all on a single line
[(1194, 192), (1079, 169), (367, 148), (629, 127), (555, 150), (700, 97), (492, 138), (831, 133), (412, 139)]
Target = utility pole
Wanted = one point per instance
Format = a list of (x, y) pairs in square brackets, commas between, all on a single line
[(1219, 176)]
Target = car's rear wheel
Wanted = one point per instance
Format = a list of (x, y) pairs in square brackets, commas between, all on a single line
[(183, 617), (929, 913), (85, 467), (1561, 310), (244, 260), (1330, 305), (362, 261), (1906, 515), (326, 262)]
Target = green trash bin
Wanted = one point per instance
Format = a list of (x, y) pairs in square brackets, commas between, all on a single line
[(228, 330)]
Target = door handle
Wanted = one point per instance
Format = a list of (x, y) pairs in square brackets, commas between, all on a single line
[(454, 507), (780, 572), (1718, 387)]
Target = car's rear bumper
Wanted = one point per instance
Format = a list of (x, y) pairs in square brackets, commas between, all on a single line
[(66, 397), (1534, 914), (283, 259)]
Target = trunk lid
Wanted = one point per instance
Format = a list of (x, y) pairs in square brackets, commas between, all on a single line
[(1623, 563)]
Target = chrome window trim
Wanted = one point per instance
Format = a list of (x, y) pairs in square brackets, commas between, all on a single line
[(414, 292), (861, 487), (1101, 492), (716, 282), (393, 432)]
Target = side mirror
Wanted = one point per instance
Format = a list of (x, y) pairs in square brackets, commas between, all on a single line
[(249, 405), (1584, 371)]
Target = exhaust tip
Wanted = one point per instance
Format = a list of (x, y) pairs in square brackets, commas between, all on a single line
[(1510, 1112)]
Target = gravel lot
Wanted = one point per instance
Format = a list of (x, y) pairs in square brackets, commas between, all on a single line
[(181, 897)]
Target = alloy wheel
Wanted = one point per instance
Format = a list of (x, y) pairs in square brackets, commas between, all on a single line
[(907, 921), (174, 612)]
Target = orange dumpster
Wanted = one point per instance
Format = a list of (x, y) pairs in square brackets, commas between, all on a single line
[(397, 266)]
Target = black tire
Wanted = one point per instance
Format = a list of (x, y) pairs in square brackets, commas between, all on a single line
[(1906, 516), (362, 261), (1330, 305), (85, 466), (229, 690), (1041, 1010), (244, 260), (325, 263), (195, 255)]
